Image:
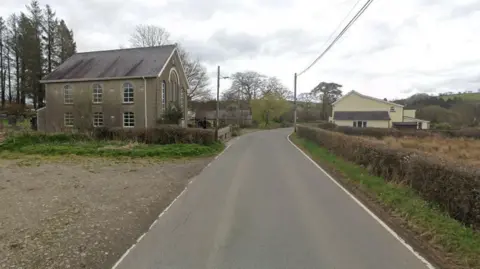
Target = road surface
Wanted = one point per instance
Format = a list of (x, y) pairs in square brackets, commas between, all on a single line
[(262, 204)]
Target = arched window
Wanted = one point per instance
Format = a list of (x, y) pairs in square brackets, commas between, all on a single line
[(68, 94), (97, 93), (174, 82), (164, 97), (128, 93)]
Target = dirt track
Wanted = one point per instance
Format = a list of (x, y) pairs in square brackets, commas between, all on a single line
[(81, 213)]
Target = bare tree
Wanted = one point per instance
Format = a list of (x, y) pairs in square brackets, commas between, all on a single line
[(247, 85), (149, 36), (275, 86), (195, 71), (198, 80)]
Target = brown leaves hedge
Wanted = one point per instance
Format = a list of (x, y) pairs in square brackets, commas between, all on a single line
[(453, 187), (384, 132)]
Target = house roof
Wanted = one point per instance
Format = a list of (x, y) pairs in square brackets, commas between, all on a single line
[(361, 115), (415, 119), (367, 97), (113, 64)]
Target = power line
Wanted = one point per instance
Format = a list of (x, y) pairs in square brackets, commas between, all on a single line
[(352, 21), (340, 24)]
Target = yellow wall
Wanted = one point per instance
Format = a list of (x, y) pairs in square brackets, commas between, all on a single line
[(354, 102), (409, 113), (425, 124), (370, 123)]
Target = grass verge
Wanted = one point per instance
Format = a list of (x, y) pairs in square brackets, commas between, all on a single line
[(82, 146), (459, 244)]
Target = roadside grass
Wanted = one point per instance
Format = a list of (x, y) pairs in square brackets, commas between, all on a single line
[(462, 244), (63, 144)]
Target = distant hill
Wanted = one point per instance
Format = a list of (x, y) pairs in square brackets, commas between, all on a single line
[(475, 96)]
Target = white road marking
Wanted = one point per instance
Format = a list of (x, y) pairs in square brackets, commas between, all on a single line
[(375, 217), (168, 207)]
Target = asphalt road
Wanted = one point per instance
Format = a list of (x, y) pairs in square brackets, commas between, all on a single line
[(262, 204)]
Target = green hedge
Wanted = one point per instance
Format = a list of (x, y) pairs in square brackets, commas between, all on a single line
[(456, 189), (158, 135)]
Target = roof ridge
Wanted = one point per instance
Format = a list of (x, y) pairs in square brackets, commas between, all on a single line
[(125, 49)]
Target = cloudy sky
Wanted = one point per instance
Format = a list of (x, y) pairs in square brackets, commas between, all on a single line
[(395, 49)]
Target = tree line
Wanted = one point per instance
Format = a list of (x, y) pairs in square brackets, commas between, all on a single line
[(32, 44)]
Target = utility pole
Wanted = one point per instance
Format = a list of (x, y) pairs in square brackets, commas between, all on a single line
[(218, 102), (295, 103)]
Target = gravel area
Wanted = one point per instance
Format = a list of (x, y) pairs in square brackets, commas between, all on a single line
[(82, 213)]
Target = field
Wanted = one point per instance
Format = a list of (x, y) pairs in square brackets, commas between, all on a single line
[(464, 96), (456, 149)]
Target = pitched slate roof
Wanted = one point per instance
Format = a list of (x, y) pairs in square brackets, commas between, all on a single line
[(361, 115), (367, 97), (136, 62)]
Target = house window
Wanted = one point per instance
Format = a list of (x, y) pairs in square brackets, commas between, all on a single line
[(68, 119), (97, 93), (360, 124), (164, 97), (128, 119), (68, 94), (127, 93), (174, 89), (98, 119), (392, 109)]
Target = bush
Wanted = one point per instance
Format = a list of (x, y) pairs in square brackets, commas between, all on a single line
[(158, 135), (29, 138), (374, 132), (467, 132), (285, 124), (441, 126), (327, 125), (455, 188), (235, 130)]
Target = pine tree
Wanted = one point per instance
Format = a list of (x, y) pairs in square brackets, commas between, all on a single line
[(36, 19), (66, 43), (13, 43), (26, 39), (50, 30), (2, 67)]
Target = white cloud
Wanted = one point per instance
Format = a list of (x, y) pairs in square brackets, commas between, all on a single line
[(396, 48)]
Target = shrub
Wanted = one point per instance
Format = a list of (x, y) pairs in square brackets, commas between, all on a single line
[(441, 126), (467, 132), (158, 135), (235, 130), (327, 125), (374, 132), (285, 124), (455, 188)]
